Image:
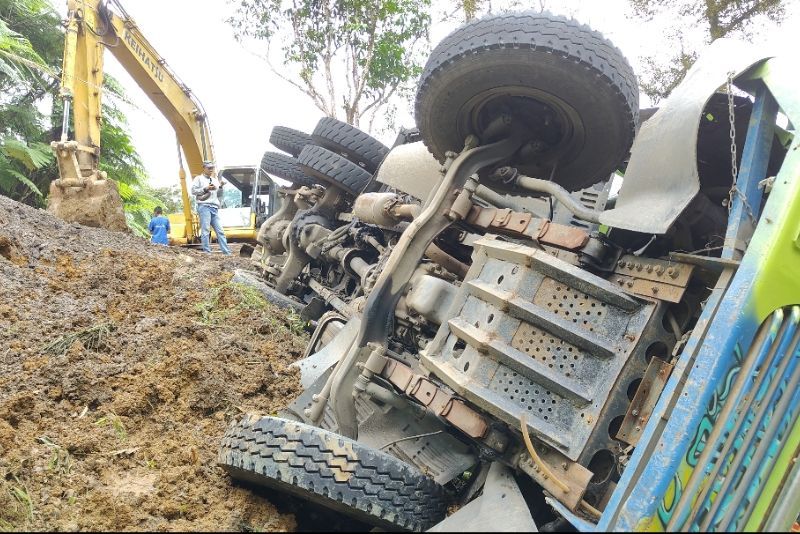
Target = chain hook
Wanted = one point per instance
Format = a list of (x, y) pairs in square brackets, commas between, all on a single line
[(735, 191)]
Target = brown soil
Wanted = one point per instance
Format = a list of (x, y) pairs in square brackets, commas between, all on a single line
[(98, 205), (121, 363)]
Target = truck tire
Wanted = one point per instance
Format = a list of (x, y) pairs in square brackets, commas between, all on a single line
[(286, 167), (289, 140), (357, 146), (569, 89), (334, 169), (331, 470)]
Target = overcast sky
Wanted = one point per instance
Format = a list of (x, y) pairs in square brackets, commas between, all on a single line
[(244, 100)]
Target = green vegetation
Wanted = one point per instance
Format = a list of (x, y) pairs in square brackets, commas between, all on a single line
[(715, 19), (92, 338), (60, 460), (112, 420), (31, 50), (229, 299)]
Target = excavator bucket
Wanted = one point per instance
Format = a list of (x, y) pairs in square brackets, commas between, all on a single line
[(92, 200), (96, 204)]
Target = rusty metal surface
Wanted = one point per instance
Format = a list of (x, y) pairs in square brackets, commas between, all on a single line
[(668, 272), (706, 262), (648, 288), (573, 475), (644, 401), (653, 278), (562, 236), (453, 410), (520, 224), (502, 220), (462, 416)]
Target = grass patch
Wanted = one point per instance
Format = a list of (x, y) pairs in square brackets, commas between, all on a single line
[(112, 420), (18, 507), (229, 299), (60, 461), (93, 338), (296, 324)]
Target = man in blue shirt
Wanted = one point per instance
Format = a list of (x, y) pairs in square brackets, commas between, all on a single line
[(159, 228)]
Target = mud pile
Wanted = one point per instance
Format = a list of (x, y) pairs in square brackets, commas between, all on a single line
[(121, 363)]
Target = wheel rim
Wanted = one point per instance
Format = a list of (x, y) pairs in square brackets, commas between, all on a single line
[(552, 127)]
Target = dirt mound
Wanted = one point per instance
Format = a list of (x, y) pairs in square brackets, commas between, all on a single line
[(121, 364)]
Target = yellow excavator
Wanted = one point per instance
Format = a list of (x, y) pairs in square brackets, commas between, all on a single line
[(83, 193)]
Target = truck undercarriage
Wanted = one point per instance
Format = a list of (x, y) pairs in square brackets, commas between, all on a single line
[(497, 331)]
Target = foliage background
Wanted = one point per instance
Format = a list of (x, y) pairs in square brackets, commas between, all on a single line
[(31, 50)]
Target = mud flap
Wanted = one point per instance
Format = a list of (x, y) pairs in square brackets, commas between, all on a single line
[(96, 204), (500, 508)]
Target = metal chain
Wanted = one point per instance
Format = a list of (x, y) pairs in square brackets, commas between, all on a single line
[(735, 191)]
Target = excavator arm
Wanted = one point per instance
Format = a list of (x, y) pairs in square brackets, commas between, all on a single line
[(92, 26)]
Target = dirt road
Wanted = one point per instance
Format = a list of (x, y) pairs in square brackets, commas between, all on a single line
[(121, 364)]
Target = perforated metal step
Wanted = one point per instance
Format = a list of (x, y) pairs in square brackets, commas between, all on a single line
[(531, 334)]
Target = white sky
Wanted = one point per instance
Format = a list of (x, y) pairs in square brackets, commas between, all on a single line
[(244, 99)]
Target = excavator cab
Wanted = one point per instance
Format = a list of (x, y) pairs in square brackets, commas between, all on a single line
[(248, 199)]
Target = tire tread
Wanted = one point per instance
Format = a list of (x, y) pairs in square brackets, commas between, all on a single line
[(312, 461)]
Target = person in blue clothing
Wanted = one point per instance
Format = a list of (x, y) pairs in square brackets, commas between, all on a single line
[(159, 228)]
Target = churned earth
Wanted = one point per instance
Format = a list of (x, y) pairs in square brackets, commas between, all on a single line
[(121, 363)]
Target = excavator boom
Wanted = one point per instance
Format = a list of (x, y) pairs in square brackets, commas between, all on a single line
[(83, 193)]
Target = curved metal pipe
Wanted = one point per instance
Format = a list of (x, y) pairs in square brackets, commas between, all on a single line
[(498, 200), (538, 185), (447, 261)]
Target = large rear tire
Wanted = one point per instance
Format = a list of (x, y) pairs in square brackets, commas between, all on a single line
[(286, 167), (333, 169), (350, 142), (289, 140), (568, 89), (331, 470)]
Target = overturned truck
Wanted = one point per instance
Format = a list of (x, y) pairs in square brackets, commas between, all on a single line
[(503, 342)]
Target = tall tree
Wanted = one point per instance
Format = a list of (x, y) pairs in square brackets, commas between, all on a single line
[(351, 57), (714, 18)]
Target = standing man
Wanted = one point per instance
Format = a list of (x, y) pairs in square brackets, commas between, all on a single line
[(159, 228), (207, 188)]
